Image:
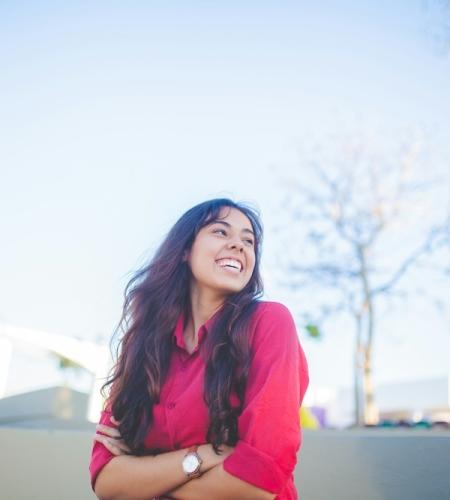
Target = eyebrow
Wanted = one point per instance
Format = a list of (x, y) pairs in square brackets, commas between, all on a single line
[(227, 224)]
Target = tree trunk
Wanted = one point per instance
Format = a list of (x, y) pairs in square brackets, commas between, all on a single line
[(370, 410), (358, 364), (371, 414)]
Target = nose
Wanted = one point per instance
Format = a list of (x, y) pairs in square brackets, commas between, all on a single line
[(237, 243)]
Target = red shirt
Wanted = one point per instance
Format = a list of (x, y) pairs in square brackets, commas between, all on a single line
[(269, 425)]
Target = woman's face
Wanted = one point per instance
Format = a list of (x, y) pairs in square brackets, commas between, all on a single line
[(222, 257)]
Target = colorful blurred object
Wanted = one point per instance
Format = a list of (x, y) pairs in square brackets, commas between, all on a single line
[(308, 420)]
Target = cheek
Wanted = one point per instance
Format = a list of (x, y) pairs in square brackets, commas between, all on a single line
[(251, 261), (201, 260), (198, 264)]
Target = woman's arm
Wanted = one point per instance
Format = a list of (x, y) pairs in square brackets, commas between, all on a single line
[(269, 430), (128, 477), (218, 484)]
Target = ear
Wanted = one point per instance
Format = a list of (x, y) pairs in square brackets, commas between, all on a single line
[(185, 256)]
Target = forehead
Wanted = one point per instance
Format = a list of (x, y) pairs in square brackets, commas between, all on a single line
[(235, 217)]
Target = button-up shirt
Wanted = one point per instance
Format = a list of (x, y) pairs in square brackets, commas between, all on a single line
[(268, 427)]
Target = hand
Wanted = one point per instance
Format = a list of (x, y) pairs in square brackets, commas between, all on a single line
[(113, 440), (226, 450)]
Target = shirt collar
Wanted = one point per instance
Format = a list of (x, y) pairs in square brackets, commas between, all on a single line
[(179, 328)]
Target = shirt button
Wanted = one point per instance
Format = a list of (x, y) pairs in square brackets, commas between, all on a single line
[(171, 406)]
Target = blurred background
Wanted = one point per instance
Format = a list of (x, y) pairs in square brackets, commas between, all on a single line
[(332, 118)]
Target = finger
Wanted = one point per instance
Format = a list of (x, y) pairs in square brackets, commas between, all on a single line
[(115, 450), (123, 446), (118, 443), (114, 421), (110, 431), (104, 441), (124, 450)]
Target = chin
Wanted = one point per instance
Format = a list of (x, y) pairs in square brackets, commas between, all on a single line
[(233, 289), (228, 288)]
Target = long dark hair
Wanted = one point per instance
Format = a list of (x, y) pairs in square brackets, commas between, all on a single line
[(154, 298)]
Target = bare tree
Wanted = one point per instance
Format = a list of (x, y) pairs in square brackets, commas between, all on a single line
[(354, 220), (437, 19)]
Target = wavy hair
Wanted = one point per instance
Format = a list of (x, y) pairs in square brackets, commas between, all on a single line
[(155, 297)]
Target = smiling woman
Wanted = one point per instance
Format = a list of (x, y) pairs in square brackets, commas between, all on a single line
[(223, 255), (205, 393)]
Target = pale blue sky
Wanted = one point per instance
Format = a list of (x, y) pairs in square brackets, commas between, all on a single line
[(117, 117)]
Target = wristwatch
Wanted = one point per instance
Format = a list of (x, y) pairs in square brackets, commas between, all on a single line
[(192, 462)]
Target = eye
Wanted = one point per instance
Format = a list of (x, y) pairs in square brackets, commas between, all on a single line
[(220, 231), (250, 242)]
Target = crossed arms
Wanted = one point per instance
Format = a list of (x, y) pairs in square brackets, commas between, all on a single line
[(127, 477)]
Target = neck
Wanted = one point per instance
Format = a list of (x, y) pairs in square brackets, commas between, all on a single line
[(204, 304)]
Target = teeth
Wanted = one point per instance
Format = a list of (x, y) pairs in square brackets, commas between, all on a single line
[(229, 262)]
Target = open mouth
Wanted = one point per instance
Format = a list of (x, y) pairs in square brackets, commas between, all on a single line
[(231, 265)]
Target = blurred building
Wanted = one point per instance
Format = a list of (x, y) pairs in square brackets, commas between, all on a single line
[(88, 356), (408, 400), (50, 408)]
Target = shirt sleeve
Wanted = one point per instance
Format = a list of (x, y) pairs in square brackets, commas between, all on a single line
[(269, 425), (100, 454)]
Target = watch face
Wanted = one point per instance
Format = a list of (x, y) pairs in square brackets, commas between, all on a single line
[(190, 463)]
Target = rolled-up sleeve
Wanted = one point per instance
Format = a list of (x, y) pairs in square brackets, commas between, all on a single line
[(100, 454), (269, 425)]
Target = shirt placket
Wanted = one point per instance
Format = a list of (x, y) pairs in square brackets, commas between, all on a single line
[(183, 360)]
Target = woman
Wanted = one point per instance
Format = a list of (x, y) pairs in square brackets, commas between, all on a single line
[(205, 394)]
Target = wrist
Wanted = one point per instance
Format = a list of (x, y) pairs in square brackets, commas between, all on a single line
[(192, 462), (210, 457)]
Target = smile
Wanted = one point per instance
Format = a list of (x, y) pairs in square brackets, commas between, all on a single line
[(231, 265)]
